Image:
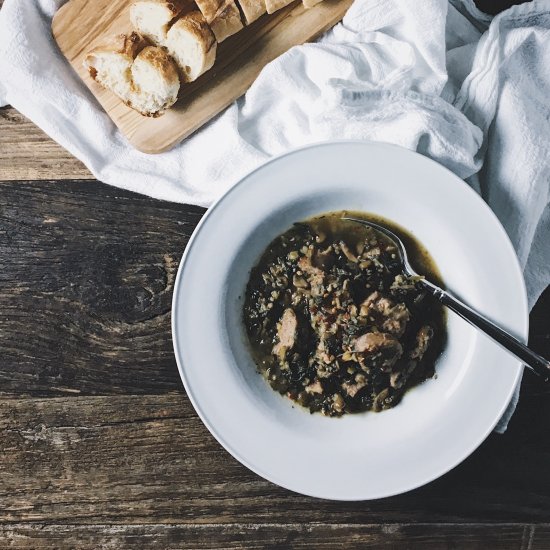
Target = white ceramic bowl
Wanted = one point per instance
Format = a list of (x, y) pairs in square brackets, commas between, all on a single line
[(361, 456)]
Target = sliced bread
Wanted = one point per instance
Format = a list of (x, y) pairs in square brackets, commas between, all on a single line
[(155, 80), (152, 18), (252, 9), (223, 16), (109, 64), (192, 44), (144, 77)]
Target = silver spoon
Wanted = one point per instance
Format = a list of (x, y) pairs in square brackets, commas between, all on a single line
[(532, 360)]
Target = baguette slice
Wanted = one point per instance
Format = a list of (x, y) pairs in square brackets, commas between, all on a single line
[(109, 64), (223, 16), (144, 77), (252, 9), (311, 3), (192, 44), (274, 5), (152, 18), (156, 82)]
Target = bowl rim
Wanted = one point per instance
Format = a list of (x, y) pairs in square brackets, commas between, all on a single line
[(522, 333)]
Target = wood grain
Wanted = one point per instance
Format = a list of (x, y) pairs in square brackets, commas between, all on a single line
[(540, 539), (80, 25), (88, 270), (124, 459), (255, 536), (27, 153)]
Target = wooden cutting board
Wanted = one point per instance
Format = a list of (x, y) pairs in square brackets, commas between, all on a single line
[(80, 25)]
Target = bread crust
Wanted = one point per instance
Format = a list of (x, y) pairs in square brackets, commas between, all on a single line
[(161, 61), (252, 9), (128, 103), (273, 5), (128, 45), (174, 7), (223, 16), (195, 23), (134, 47), (209, 8), (194, 26)]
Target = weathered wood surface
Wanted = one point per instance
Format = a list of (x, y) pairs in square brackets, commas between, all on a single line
[(86, 275), (26, 153), (148, 459), (254, 536)]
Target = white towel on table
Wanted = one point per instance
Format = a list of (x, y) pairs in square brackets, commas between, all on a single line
[(434, 76)]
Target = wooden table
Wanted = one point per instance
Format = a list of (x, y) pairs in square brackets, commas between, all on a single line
[(99, 445)]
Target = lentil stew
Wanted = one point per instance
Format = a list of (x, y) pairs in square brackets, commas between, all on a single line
[(332, 322)]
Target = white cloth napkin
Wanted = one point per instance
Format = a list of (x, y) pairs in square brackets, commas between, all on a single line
[(434, 76)]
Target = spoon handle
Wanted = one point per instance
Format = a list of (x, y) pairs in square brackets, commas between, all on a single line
[(532, 360)]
